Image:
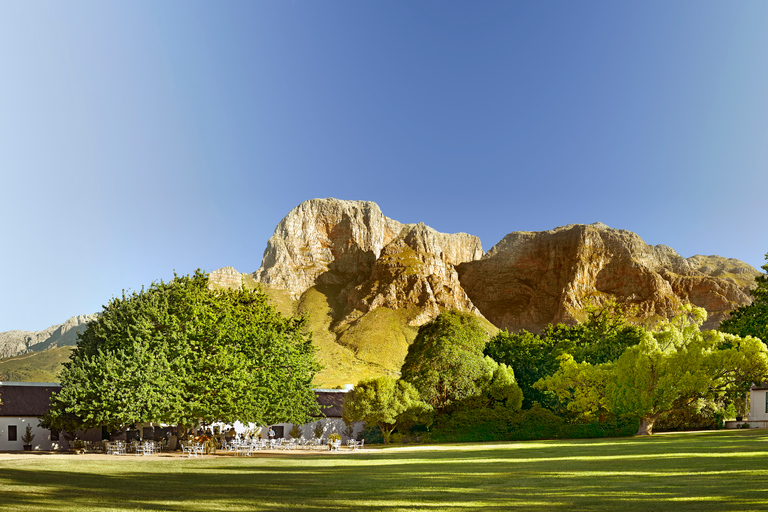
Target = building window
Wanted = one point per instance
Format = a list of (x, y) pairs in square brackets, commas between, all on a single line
[(766, 402), (12, 432), (54, 435)]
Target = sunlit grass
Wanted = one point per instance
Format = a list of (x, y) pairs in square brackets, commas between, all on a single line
[(702, 471)]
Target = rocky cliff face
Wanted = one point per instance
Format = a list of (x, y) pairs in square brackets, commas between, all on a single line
[(368, 281), (374, 261), (325, 241), (529, 280), (13, 343), (415, 269)]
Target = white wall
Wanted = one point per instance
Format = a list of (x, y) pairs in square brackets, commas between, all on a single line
[(330, 426), (757, 405), (42, 440)]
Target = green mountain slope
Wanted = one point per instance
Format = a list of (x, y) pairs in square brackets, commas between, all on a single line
[(42, 366)]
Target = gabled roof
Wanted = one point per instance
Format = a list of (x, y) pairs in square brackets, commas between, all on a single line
[(330, 401), (33, 399), (26, 398)]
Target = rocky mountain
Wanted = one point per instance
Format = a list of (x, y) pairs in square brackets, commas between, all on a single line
[(373, 280), (529, 280), (13, 343), (374, 261), (367, 282)]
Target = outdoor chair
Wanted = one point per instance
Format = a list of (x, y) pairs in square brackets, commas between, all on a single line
[(191, 449), (116, 448), (146, 448)]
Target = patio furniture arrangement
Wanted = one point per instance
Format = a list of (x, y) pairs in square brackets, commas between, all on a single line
[(192, 449), (116, 448), (239, 446)]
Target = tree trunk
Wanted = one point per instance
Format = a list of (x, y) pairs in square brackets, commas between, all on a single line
[(646, 425), (385, 432)]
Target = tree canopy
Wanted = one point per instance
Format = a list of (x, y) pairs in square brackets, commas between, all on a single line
[(670, 368), (445, 362), (386, 402), (178, 352), (752, 319), (601, 338)]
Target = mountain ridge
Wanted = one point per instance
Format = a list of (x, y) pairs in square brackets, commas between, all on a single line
[(368, 281)]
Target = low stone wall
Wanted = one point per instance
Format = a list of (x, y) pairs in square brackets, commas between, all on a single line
[(752, 424)]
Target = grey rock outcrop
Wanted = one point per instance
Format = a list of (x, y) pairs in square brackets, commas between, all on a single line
[(376, 261), (325, 241), (13, 343), (226, 277)]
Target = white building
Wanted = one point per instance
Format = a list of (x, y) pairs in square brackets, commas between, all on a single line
[(330, 401), (22, 404), (758, 406)]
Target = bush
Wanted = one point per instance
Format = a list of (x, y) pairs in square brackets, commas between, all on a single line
[(618, 427), (497, 424), (371, 434), (697, 416), (478, 425)]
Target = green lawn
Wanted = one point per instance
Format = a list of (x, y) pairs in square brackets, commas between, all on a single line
[(703, 471)]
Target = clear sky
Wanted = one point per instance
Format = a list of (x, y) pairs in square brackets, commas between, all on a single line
[(138, 138)]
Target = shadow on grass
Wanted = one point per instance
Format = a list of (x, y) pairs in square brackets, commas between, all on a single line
[(681, 472)]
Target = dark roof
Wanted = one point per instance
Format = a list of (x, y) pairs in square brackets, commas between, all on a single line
[(33, 399), (25, 399), (334, 399)]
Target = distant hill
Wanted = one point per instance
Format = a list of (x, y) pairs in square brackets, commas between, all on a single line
[(21, 342), (41, 366), (368, 282)]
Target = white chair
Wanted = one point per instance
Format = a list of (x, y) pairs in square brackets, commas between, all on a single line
[(191, 449)]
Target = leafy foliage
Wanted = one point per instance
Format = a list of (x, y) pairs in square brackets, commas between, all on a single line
[(602, 338), (445, 362), (178, 351), (670, 368), (531, 357), (752, 319), (386, 402), (581, 386)]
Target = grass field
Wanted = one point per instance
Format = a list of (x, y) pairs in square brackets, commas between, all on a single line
[(721, 471)]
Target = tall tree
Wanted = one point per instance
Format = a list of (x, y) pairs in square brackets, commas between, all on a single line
[(601, 338), (752, 319), (445, 362), (386, 402), (178, 352), (530, 356), (670, 368)]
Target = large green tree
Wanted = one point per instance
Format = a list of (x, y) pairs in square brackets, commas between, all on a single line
[(752, 319), (386, 402), (178, 352), (530, 356), (601, 338), (670, 368), (445, 362)]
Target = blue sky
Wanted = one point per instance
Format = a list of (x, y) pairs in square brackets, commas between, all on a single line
[(138, 138)]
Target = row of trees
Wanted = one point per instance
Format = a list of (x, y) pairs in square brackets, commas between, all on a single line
[(178, 353), (603, 368)]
